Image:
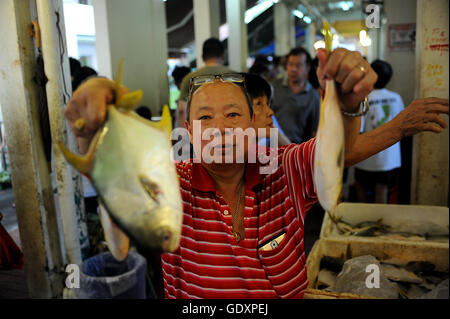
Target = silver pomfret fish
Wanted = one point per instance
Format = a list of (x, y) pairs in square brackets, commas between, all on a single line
[(129, 164), (329, 152)]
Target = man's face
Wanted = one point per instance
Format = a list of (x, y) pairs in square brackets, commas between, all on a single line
[(219, 105), (297, 68)]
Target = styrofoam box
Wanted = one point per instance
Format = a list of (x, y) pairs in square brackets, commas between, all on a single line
[(433, 220), (383, 251)]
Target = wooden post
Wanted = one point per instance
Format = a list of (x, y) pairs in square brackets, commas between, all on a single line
[(59, 91), (33, 193)]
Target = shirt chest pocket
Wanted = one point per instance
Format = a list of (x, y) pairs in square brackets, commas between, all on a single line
[(273, 252), (281, 261)]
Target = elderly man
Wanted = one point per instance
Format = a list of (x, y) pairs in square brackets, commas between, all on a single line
[(242, 233)]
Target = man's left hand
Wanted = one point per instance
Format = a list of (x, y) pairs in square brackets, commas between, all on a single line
[(352, 73)]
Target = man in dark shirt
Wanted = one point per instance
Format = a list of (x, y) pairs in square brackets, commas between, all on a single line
[(296, 103)]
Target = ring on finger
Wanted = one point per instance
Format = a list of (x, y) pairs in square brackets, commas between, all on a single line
[(362, 68), (79, 123)]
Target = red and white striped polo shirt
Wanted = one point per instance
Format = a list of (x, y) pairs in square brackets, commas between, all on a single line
[(210, 264)]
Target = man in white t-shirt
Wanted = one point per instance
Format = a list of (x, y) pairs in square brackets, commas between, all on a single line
[(378, 172)]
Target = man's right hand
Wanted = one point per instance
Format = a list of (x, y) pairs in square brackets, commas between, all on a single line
[(89, 102)]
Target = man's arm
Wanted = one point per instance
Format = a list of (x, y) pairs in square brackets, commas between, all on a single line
[(422, 115)]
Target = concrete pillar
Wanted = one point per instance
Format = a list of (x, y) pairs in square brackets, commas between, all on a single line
[(237, 40), (33, 193), (373, 50), (206, 24), (379, 37), (382, 39), (310, 38), (430, 151), (58, 88), (137, 33), (403, 62), (284, 28)]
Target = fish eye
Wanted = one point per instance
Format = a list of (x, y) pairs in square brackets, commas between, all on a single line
[(150, 187)]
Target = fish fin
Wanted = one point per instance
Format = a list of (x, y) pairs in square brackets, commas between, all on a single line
[(119, 80), (118, 242), (119, 75), (82, 163), (166, 120), (129, 101), (165, 124), (328, 37)]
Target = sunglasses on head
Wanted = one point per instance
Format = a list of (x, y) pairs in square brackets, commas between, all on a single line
[(236, 78)]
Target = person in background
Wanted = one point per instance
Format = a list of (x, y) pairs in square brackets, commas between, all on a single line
[(264, 67), (11, 256), (313, 76), (296, 103), (261, 93), (144, 112), (277, 68), (75, 66), (279, 63), (178, 75), (259, 69), (79, 73), (213, 54), (82, 75), (380, 171)]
